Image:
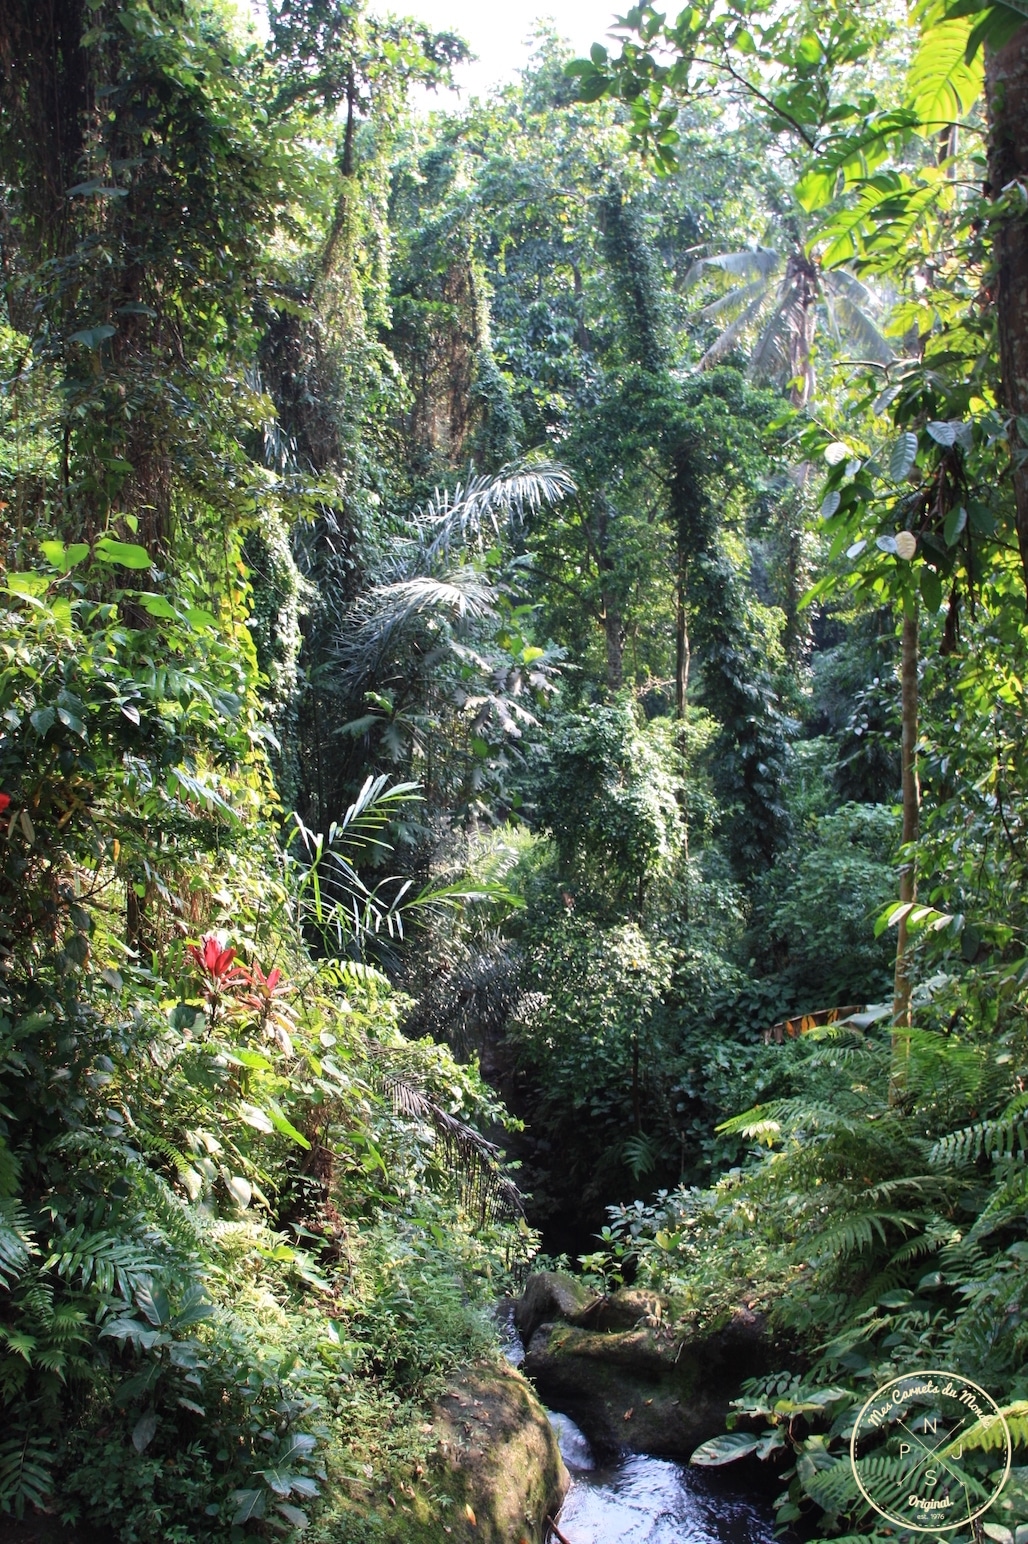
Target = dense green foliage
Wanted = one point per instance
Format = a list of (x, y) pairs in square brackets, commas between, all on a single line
[(471, 590)]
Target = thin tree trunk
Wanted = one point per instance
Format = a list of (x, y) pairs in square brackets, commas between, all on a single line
[(613, 630), (682, 650), (901, 1011), (613, 634), (1006, 81)]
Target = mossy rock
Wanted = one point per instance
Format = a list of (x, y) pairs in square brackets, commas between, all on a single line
[(642, 1389), (494, 1476), (552, 1295)]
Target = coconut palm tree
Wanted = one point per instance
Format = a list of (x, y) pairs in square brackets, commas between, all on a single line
[(775, 302)]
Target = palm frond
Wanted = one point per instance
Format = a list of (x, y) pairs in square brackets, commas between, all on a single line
[(759, 261), (457, 518), (852, 320), (772, 357), (728, 339), (734, 301), (386, 618)]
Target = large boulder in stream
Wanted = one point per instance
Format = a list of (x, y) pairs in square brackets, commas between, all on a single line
[(498, 1459), (630, 1382), (550, 1295), (492, 1472)]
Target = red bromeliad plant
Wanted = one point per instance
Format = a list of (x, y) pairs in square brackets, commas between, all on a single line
[(217, 965), (265, 1000), (251, 994)]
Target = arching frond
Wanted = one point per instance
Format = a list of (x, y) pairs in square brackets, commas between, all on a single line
[(760, 261), (384, 618), (730, 337), (473, 1160), (17, 1245), (734, 301), (456, 519), (1004, 1137), (851, 320)]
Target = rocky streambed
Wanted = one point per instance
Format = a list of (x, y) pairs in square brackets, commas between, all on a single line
[(591, 1426)]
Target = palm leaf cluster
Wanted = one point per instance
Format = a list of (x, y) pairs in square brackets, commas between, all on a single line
[(774, 305), (475, 1164), (428, 586)]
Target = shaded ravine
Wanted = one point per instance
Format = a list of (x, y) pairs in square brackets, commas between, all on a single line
[(639, 1499)]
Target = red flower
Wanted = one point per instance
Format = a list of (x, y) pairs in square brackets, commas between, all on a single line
[(5, 800), (216, 961)]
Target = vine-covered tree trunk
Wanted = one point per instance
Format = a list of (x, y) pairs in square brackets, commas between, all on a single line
[(1007, 88), (911, 824), (682, 650)]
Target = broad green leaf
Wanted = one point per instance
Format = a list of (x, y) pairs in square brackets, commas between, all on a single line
[(92, 337), (156, 605), (904, 454), (144, 1430), (954, 524), (931, 588), (29, 585), (942, 85), (124, 553), (292, 1514), (285, 1126), (943, 433), (43, 720), (96, 189), (249, 1505), (836, 452), (255, 1117), (240, 1190), (72, 721), (724, 1450)]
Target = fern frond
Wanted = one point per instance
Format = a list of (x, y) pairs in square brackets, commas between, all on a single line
[(25, 1477), (853, 1235), (987, 1435), (1004, 1137), (17, 1245)]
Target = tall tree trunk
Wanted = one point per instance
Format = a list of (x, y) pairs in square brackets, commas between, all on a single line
[(1006, 81), (613, 633), (613, 627), (682, 651), (901, 1013)]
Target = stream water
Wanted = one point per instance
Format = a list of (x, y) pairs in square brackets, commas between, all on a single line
[(643, 1500)]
